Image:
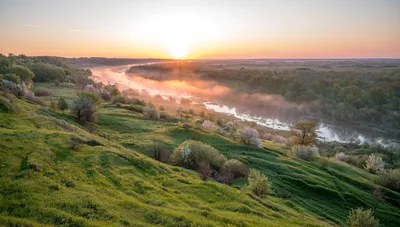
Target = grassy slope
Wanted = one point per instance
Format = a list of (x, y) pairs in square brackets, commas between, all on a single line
[(110, 185), (114, 184)]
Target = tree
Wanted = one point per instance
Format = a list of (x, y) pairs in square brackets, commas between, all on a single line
[(305, 133), (46, 72), (84, 107), (351, 95), (24, 73), (377, 95), (62, 104)]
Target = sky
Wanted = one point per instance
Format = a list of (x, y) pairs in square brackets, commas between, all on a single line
[(202, 29)]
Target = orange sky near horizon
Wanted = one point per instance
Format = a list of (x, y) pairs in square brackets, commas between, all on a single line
[(207, 29)]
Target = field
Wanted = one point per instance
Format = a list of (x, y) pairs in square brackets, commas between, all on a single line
[(45, 180)]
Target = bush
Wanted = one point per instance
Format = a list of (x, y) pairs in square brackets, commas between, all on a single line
[(258, 183), (138, 102), (114, 91), (84, 107), (159, 152), (191, 153), (389, 178), (53, 105), (341, 157), (208, 124), (151, 112), (304, 152), (232, 169), (279, 139), (374, 163), (12, 77), (62, 104), (33, 99), (42, 92), (267, 136), (5, 105), (105, 96), (57, 83), (204, 170), (362, 218), (119, 99), (13, 88), (248, 136)]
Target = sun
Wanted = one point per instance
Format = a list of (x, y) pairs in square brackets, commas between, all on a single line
[(177, 51)]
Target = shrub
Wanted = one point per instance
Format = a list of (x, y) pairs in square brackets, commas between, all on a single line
[(374, 163), (53, 105), (18, 91), (119, 99), (161, 108), (358, 161), (57, 83), (204, 170), (42, 92), (362, 218), (114, 91), (341, 157), (164, 116), (220, 122), (33, 99), (105, 96), (12, 77), (378, 194), (84, 108), (151, 112), (232, 169), (5, 105), (208, 124), (248, 136), (13, 88), (389, 178), (279, 139), (191, 153), (323, 162), (62, 104), (159, 153), (138, 102), (258, 183), (304, 152), (267, 136)]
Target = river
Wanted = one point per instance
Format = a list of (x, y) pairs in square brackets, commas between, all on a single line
[(327, 130)]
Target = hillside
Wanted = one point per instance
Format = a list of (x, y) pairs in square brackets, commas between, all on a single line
[(55, 172)]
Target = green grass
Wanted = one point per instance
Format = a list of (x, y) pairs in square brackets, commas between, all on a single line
[(45, 182)]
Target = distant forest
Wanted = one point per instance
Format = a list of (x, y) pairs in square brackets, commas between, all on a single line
[(345, 90)]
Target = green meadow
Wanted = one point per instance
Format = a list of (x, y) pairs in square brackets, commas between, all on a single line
[(108, 178)]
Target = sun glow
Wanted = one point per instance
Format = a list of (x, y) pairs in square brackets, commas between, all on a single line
[(180, 35), (177, 50)]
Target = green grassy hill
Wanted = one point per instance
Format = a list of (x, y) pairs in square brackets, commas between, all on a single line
[(46, 180)]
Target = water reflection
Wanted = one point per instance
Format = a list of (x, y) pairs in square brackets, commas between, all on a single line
[(326, 132), (267, 110)]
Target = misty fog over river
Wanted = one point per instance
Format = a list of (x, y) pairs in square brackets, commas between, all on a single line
[(245, 107)]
